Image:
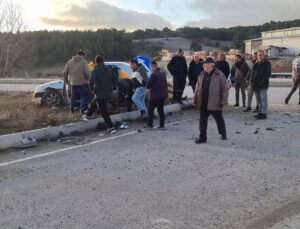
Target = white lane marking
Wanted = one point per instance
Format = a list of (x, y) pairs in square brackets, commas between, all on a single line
[(76, 147), (65, 149)]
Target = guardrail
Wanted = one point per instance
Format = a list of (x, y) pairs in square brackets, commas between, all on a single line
[(281, 75)]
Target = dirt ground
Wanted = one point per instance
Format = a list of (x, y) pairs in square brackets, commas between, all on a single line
[(19, 113)]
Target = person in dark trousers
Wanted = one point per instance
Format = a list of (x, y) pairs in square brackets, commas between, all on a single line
[(195, 68), (223, 65), (249, 86), (77, 74), (178, 69), (102, 82), (296, 80), (125, 92), (158, 93), (260, 83), (240, 71), (211, 96)]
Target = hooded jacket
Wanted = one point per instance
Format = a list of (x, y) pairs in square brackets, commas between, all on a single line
[(76, 71)]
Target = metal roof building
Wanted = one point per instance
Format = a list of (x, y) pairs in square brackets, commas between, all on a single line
[(285, 41)]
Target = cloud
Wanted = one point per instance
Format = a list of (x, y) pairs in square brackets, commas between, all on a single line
[(158, 3), (227, 13), (98, 14)]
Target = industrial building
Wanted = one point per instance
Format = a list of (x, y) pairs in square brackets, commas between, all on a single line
[(284, 42)]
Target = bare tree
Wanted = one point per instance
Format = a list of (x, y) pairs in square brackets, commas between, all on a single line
[(14, 43)]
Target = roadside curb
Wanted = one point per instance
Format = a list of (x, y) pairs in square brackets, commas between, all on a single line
[(273, 82), (27, 81), (50, 133)]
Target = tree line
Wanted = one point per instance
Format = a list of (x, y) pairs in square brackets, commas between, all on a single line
[(24, 50)]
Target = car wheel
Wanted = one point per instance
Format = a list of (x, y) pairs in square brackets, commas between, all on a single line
[(52, 98)]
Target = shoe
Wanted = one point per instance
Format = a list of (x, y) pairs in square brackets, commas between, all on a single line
[(256, 110), (149, 127), (161, 128), (224, 137), (260, 116), (248, 109), (286, 101), (86, 118), (111, 130), (236, 105), (200, 141)]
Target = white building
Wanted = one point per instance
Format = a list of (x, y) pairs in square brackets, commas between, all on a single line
[(276, 42)]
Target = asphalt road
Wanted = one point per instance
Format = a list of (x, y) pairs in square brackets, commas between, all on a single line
[(161, 179)]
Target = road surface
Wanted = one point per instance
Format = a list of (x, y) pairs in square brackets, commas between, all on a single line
[(161, 179)]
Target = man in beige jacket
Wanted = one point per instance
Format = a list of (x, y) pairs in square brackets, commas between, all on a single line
[(211, 96), (77, 74)]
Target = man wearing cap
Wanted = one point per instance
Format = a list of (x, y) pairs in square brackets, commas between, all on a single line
[(139, 78), (76, 73), (211, 96), (178, 69)]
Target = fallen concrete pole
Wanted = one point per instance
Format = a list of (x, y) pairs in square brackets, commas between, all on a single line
[(52, 133)]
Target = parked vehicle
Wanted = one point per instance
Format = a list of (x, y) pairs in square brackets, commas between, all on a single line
[(54, 93), (57, 93)]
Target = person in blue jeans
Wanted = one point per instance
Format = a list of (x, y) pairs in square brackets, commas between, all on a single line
[(76, 73), (140, 78), (260, 83)]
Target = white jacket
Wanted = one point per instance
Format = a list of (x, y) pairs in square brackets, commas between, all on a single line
[(296, 63)]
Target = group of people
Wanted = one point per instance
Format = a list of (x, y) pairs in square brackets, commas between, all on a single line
[(95, 89), (207, 77)]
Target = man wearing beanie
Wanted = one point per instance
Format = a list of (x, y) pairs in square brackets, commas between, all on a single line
[(77, 73)]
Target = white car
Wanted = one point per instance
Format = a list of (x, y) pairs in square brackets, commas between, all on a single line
[(53, 94)]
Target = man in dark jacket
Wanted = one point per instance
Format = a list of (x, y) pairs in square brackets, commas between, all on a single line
[(240, 71), (260, 83), (158, 92), (211, 96), (223, 65), (178, 69), (102, 82), (196, 67), (125, 92)]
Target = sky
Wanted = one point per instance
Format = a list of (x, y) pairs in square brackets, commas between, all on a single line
[(141, 14)]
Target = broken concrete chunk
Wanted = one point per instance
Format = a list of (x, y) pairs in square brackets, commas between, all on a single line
[(26, 143), (269, 128)]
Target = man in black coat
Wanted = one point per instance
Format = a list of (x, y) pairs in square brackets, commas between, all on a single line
[(196, 67), (260, 83), (125, 93), (178, 68), (223, 65), (240, 71)]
